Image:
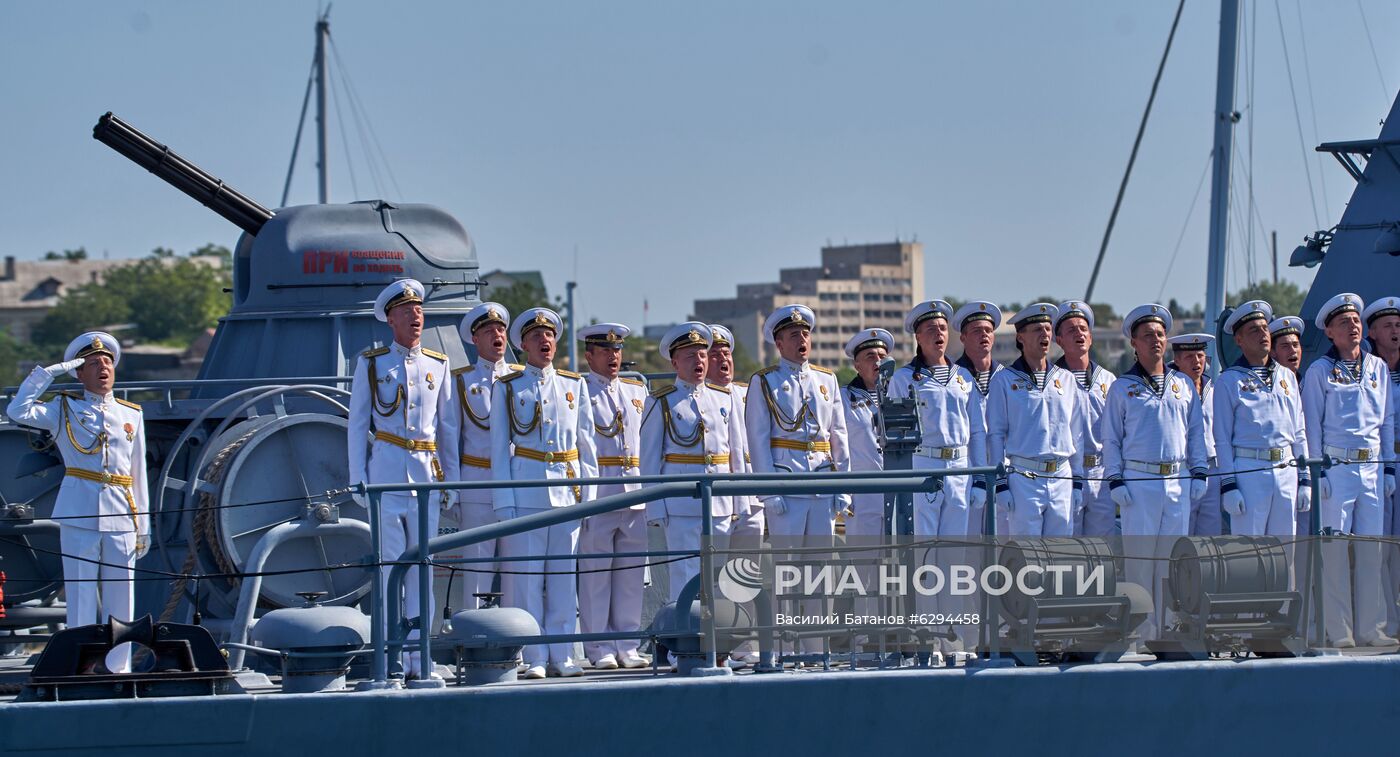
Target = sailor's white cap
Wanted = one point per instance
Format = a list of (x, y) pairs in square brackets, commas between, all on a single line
[(925, 311), (486, 312), (687, 334), (1346, 302), (786, 316), (534, 318), (397, 293), (604, 334), (977, 310), (1074, 309), (1188, 342), (867, 339), (721, 336), (93, 343), (1379, 307), (1288, 324), (1149, 313), (1249, 311), (1036, 312)]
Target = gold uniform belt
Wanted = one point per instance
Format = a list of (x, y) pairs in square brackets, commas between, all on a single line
[(800, 446), (476, 462), (412, 445), (722, 459), (109, 479), (562, 456), (619, 461)]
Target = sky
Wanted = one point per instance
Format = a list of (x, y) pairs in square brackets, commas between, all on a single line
[(664, 151)]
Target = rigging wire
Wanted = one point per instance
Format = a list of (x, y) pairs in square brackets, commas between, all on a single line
[(374, 176), (1312, 108), (1380, 74), (301, 123), (357, 104), (1249, 175), (1297, 119), (1200, 184), (340, 122)]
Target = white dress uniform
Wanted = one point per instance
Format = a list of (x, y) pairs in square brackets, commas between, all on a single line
[(402, 429), (795, 424), (686, 429), (1031, 425), (542, 428), (472, 386), (1258, 428), (1097, 515), (1205, 512), (1350, 419), (1380, 308), (978, 454), (861, 405), (1153, 434), (1279, 328), (102, 506), (747, 530), (610, 588)]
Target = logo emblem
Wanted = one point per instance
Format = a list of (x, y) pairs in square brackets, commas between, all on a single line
[(740, 580)]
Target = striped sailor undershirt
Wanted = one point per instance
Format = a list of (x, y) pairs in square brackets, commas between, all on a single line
[(1395, 377), (984, 380), (1353, 369), (1159, 383), (941, 373), (1082, 377), (1265, 373), (1039, 378)]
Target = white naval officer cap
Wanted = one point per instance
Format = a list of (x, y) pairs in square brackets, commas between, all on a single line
[(398, 293), (924, 311), (1190, 342), (869, 339), (1074, 309), (785, 316), (721, 336), (1149, 313), (486, 312), (1249, 311), (604, 334), (93, 343), (1036, 312), (534, 318), (687, 334), (1380, 308), (1288, 324), (977, 310), (1346, 302)]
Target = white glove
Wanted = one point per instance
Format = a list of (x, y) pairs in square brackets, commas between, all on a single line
[(1232, 502), (1004, 500), (775, 506), (1389, 485), (842, 504), (59, 369), (1076, 499), (143, 542), (505, 513), (1324, 488), (1120, 497), (1198, 488), (1304, 498)]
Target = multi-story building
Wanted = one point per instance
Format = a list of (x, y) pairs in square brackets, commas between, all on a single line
[(29, 289), (855, 287)]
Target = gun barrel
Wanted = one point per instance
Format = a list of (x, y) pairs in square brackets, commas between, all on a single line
[(185, 176)]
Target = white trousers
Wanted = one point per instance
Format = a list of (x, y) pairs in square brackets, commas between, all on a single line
[(551, 599), (1205, 513), (610, 599), (1041, 506), (478, 577), (1354, 507), (683, 535), (807, 522), (398, 531), (1099, 516), (88, 600), (749, 527), (1159, 514), (944, 514), (1270, 502)]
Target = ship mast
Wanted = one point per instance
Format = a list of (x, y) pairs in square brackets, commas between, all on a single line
[(1225, 118), (323, 182)]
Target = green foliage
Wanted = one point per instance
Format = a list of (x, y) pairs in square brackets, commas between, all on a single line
[(519, 297), (15, 358), (1285, 296), (78, 254)]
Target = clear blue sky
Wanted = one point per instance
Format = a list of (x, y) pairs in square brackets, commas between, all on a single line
[(685, 147)]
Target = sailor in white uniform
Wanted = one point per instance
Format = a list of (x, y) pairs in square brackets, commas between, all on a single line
[(542, 428), (403, 428), (861, 402), (976, 324), (690, 427), (1382, 319), (1190, 356), (1258, 428), (1346, 401), (747, 530), (1286, 335), (610, 588), (102, 507), (1074, 333), (485, 328), (1031, 407), (1153, 434)]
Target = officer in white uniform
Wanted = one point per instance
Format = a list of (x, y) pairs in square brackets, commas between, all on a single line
[(1074, 333), (747, 530), (485, 327), (102, 506), (610, 588), (1382, 319), (1346, 401), (690, 427), (542, 428), (1190, 356), (1031, 407), (1258, 427), (1153, 433), (403, 429), (1286, 334), (976, 324)]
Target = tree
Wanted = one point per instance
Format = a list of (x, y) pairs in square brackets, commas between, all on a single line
[(15, 357), (521, 296), (1285, 297), (69, 255)]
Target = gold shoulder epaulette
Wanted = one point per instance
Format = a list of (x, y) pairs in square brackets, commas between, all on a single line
[(512, 376), (717, 387), (632, 381), (516, 367), (663, 391), (460, 371), (376, 352), (128, 403), (823, 370), (769, 369), (743, 384), (568, 374), (435, 353)]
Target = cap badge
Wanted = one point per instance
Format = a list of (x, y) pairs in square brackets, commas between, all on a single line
[(612, 335), (1042, 308), (981, 306), (694, 335), (797, 316), (541, 319), (97, 343)]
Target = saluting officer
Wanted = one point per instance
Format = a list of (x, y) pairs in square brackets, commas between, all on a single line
[(976, 323), (542, 428), (1031, 407), (102, 506), (1190, 357), (1382, 319), (485, 327), (689, 427), (1152, 432), (1286, 334), (747, 529), (1346, 402), (403, 396), (1258, 427), (1074, 333), (610, 588)]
